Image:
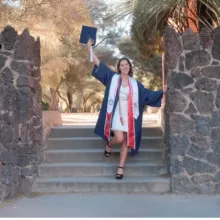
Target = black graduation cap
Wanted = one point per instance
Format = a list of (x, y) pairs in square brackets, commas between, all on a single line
[(86, 33)]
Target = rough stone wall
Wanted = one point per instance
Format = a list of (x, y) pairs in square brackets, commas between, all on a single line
[(20, 111), (192, 112)]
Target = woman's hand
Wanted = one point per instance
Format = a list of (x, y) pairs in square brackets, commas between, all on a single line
[(122, 121), (165, 88), (96, 61)]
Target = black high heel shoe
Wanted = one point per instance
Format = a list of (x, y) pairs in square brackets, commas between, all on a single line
[(119, 176), (108, 154)]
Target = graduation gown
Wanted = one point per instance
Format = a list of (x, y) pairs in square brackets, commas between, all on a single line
[(146, 97)]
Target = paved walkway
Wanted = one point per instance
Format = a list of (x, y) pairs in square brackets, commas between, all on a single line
[(110, 205)]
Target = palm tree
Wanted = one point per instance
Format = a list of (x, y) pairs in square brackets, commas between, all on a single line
[(151, 17)]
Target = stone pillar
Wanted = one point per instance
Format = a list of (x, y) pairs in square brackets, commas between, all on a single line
[(192, 121), (20, 111)]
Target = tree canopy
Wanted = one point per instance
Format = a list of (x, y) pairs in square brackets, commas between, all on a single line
[(64, 62), (65, 68)]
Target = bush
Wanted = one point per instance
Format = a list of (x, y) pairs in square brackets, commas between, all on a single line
[(45, 106)]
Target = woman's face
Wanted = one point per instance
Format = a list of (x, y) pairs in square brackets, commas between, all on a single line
[(124, 67)]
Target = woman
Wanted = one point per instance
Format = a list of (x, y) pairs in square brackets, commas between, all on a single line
[(122, 107)]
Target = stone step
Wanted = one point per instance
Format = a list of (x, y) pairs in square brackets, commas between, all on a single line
[(96, 142), (101, 184), (97, 155), (100, 169), (82, 119), (66, 122), (88, 131)]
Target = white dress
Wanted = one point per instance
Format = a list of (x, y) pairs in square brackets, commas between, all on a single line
[(116, 123)]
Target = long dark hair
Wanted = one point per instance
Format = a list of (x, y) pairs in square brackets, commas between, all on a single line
[(129, 62)]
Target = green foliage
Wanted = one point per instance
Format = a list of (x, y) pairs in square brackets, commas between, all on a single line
[(149, 21), (45, 106), (147, 69), (146, 58), (150, 18)]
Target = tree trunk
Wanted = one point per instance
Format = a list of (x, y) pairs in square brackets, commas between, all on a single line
[(191, 11), (59, 94), (53, 106), (84, 104), (70, 100)]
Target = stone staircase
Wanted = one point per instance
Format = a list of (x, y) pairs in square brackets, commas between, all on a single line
[(74, 162)]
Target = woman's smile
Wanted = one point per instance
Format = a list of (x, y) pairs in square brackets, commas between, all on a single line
[(124, 67)]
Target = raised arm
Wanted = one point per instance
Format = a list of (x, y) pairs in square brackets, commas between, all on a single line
[(96, 60), (100, 71)]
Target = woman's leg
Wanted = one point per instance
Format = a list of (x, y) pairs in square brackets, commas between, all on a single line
[(123, 154), (117, 139)]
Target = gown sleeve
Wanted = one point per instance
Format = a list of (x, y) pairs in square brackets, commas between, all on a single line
[(151, 98), (103, 73)]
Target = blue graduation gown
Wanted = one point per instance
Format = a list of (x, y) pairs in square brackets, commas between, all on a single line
[(146, 97)]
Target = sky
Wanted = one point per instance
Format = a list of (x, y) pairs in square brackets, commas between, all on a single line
[(14, 3), (124, 24)]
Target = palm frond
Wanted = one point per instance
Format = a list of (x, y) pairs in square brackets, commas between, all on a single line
[(150, 16), (120, 10)]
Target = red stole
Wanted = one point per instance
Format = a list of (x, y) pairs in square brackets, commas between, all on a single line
[(131, 125)]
